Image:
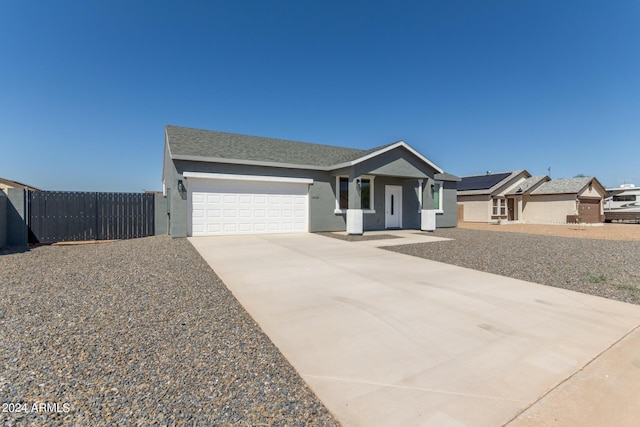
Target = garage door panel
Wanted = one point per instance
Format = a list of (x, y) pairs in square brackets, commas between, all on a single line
[(230, 207), (213, 228)]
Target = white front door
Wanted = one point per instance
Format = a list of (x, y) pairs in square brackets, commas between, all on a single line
[(393, 206)]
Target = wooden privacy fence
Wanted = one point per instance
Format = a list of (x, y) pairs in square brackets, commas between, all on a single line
[(64, 216)]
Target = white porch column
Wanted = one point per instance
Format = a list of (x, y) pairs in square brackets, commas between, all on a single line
[(354, 221), (428, 220)]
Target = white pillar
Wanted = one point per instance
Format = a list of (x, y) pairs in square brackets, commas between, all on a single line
[(354, 221)]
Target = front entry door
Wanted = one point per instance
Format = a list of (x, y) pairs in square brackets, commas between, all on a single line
[(511, 209), (393, 206)]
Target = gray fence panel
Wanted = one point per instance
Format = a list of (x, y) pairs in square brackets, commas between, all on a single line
[(76, 216)]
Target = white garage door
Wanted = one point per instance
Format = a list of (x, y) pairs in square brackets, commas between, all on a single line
[(247, 207)]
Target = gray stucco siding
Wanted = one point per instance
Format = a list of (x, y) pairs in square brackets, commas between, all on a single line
[(397, 167), (321, 192), (449, 217), (376, 221), (397, 163), (410, 203), (3, 219)]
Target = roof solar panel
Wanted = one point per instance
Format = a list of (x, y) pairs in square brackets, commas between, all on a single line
[(481, 182)]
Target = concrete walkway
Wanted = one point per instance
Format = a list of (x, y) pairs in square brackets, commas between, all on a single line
[(386, 339)]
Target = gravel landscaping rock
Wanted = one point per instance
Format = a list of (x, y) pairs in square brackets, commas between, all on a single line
[(606, 268), (137, 332)]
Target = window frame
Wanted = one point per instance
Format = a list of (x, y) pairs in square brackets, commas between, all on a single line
[(498, 207), (371, 179), (440, 208)]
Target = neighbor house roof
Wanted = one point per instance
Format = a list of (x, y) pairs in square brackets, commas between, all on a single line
[(487, 183), (205, 145), (15, 184), (566, 186), (528, 185)]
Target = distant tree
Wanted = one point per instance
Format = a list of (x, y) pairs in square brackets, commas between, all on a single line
[(580, 175)]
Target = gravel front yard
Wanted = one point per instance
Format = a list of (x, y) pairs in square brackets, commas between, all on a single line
[(137, 332), (607, 268)]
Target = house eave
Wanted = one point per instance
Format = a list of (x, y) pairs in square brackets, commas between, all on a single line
[(248, 162), (301, 166)]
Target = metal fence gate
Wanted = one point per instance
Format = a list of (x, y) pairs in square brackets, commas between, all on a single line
[(64, 216)]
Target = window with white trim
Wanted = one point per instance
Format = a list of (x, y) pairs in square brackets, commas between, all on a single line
[(437, 196), (365, 188), (366, 194), (342, 190), (499, 207)]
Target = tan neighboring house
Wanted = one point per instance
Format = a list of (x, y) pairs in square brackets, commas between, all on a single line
[(483, 198), (5, 184), (562, 201), (519, 197)]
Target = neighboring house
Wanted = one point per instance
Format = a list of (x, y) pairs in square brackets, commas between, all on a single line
[(224, 183), (564, 201), (5, 184), (519, 197), (483, 198)]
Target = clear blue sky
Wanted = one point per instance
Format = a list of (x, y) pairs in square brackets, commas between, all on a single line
[(86, 87)]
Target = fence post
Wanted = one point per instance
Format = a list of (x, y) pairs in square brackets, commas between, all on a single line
[(3, 219), (17, 217)]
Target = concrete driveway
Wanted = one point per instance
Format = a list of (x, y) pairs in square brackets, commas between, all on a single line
[(386, 339)]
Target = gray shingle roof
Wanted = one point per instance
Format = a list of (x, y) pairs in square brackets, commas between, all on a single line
[(212, 144), (563, 186), (446, 177), (527, 184)]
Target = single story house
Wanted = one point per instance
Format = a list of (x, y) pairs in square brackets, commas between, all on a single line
[(225, 183), (482, 198), (519, 197), (561, 201)]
